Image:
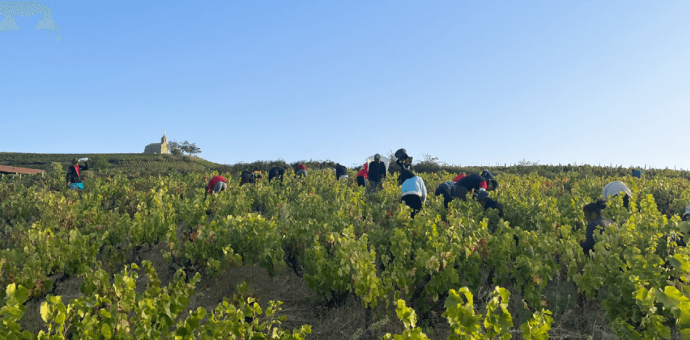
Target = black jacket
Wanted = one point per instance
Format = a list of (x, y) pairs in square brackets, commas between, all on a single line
[(471, 182), (377, 171), (600, 223), (72, 176), (276, 172), (340, 170), (246, 177)]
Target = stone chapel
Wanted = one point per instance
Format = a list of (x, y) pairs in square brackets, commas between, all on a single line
[(160, 148)]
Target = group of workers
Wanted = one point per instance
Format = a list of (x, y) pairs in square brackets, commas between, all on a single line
[(412, 187), (219, 183), (414, 192)]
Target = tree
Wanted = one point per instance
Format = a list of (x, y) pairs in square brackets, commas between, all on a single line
[(180, 148), (194, 150), (185, 146), (175, 148)]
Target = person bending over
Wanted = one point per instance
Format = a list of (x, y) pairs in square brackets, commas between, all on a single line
[(595, 221), (413, 191)]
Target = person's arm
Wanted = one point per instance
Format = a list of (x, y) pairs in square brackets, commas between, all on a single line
[(482, 183), (86, 166)]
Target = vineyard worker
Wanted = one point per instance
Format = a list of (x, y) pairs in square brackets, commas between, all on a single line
[(362, 176), (73, 176), (301, 171), (637, 174), (246, 177), (376, 173), (413, 191), (340, 171), (216, 185), (276, 172), (484, 198), (686, 216), (403, 160), (595, 220), (257, 175), (446, 189), (473, 183), (613, 189)]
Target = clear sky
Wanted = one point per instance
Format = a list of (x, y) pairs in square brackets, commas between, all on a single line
[(469, 82)]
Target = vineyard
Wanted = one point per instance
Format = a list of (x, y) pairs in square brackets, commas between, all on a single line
[(129, 162), (149, 258)]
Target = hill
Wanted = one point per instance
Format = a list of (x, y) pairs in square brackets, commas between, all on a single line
[(136, 162)]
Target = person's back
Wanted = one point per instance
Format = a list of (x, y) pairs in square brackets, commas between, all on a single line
[(413, 191), (301, 171), (459, 177), (446, 189), (363, 172), (414, 185), (216, 185), (246, 177), (362, 176), (616, 188), (472, 182), (276, 172), (340, 171), (469, 183)]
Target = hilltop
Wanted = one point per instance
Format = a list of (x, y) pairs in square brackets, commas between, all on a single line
[(116, 161)]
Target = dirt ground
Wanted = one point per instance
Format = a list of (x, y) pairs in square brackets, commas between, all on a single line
[(347, 321)]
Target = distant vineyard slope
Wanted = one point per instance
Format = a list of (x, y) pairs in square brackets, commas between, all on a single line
[(135, 162)]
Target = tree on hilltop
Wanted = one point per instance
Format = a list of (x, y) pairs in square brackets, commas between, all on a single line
[(180, 148)]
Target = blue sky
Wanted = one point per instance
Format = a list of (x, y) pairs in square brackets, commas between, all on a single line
[(469, 82)]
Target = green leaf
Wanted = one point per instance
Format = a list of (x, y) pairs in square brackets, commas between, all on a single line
[(105, 330), (679, 261), (45, 311), (104, 313), (21, 294)]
